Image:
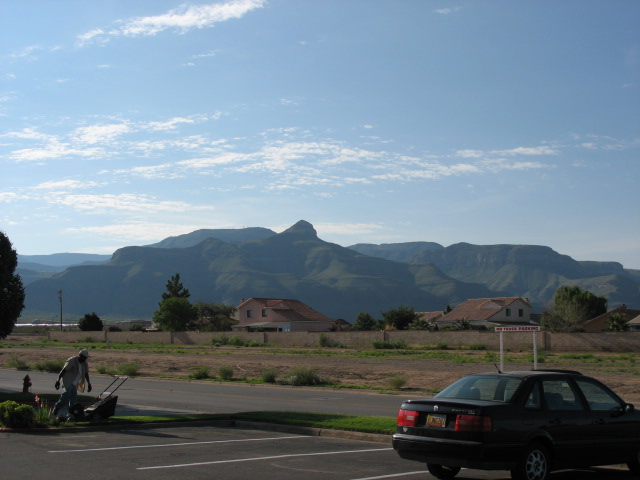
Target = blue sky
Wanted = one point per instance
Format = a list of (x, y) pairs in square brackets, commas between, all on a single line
[(378, 121)]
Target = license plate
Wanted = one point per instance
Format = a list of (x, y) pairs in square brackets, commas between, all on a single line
[(436, 421)]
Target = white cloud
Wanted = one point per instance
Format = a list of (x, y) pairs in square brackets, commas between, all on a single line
[(447, 11), (182, 19), (126, 202), (66, 185), (100, 133)]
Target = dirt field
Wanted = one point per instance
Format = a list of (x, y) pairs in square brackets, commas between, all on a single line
[(422, 375)]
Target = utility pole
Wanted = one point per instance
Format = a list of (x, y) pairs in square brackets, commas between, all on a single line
[(60, 299)]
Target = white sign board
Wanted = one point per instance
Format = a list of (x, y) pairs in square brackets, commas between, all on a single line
[(519, 328)]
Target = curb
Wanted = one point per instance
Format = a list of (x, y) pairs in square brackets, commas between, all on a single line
[(274, 427)]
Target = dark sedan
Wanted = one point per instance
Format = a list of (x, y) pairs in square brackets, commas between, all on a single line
[(529, 422)]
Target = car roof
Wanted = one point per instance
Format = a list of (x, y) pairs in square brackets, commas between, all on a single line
[(531, 373)]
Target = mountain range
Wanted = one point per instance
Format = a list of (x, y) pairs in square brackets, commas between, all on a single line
[(231, 265)]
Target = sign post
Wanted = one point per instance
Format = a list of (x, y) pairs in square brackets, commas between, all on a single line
[(522, 328)]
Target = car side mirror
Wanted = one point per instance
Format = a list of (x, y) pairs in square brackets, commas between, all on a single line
[(629, 408)]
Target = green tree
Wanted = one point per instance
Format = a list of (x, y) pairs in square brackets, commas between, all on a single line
[(420, 323), (364, 321), (175, 288), (176, 314), (90, 323), (572, 306), (617, 323), (400, 318), (214, 317), (11, 288)]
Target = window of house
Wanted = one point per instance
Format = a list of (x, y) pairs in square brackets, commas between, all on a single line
[(264, 312), (521, 312), (508, 312), (248, 313)]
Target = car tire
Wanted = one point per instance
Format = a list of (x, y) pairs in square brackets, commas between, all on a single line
[(443, 472), (533, 465), (634, 465)]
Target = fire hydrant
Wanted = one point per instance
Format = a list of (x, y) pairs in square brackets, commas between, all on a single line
[(26, 384)]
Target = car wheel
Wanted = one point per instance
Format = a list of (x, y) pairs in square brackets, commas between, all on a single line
[(442, 471), (534, 464), (634, 465)]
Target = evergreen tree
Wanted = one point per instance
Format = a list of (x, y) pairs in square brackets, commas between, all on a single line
[(11, 288), (175, 289)]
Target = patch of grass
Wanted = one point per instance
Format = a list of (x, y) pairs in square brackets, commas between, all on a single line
[(397, 382), (50, 366), (383, 425), (16, 362), (200, 372), (303, 376), (269, 375), (386, 345), (477, 346), (129, 369), (225, 372)]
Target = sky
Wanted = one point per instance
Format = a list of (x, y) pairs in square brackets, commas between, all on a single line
[(377, 121)]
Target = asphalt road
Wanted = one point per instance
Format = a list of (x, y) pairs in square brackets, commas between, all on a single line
[(141, 395), (197, 452)]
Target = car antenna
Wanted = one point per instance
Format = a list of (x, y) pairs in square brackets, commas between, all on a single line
[(497, 368)]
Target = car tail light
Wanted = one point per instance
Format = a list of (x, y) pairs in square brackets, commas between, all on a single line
[(473, 423), (408, 418)]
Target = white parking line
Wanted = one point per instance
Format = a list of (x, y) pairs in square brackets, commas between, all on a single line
[(255, 459), (104, 449), (394, 475)]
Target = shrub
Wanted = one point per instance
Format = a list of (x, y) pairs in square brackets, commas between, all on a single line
[(225, 372), (380, 345), (397, 382), (477, 346), (113, 328), (17, 363), (14, 415), (129, 369), (104, 370), (51, 366), (301, 376), (200, 372), (269, 375), (236, 341), (136, 327)]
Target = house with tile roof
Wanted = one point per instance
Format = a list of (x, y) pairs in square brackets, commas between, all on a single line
[(490, 312), (601, 323), (281, 315)]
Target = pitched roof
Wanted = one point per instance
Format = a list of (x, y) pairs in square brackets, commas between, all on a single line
[(600, 322), (293, 310), (479, 309)]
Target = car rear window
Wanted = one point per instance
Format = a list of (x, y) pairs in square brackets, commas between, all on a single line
[(494, 388)]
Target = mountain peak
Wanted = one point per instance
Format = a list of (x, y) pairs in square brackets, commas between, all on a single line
[(302, 227)]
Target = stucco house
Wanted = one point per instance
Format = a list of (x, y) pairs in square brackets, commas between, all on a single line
[(601, 323), (490, 312), (281, 315)]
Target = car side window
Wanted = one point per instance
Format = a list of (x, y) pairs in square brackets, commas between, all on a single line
[(559, 395), (533, 401), (598, 397)]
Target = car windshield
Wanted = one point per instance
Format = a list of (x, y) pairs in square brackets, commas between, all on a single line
[(494, 388)]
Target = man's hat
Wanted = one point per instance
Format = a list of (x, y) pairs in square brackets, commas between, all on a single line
[(84, 353)]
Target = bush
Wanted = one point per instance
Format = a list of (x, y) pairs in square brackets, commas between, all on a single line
[(397, 382), (380, 345), (225, 372), (51, 366), (136, 327), (301, 376), (200, 372), (113, 328), (17, 363), (14, 415), (129, 369), (269, 375)]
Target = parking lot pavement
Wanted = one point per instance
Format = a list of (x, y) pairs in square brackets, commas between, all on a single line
[(191, 452)]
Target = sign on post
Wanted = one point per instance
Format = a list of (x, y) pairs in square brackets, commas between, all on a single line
[(520, 328)]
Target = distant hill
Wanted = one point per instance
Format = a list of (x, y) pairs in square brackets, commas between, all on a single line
[(334, 280), (226, 235), (530, 271), (36, 267)]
